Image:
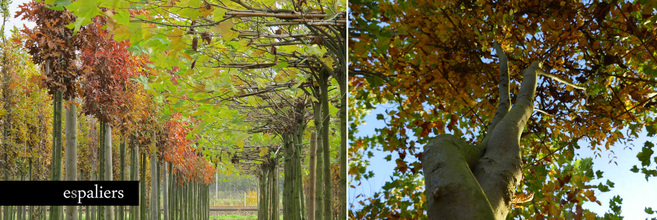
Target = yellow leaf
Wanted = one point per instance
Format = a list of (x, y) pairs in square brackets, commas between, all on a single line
[(175, 36), (121, 33), (224, 29)]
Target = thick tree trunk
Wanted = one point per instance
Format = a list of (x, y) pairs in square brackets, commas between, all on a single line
[(71, 154), (290, 197), (312, 176), (460, 182)]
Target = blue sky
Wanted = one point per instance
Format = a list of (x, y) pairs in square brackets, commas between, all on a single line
[(637, 193)]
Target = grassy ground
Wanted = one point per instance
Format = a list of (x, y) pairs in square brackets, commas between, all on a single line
[(221, 217), (234, 217)]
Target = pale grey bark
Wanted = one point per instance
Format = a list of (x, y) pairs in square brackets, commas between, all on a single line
[(154, 204), (107, 147), (71, 153), (165, 191)]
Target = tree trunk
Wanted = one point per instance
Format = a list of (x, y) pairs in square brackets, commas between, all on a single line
[(463, 182), (107, 160), (342, 201), (275, 211), (134, 169), (323, 83), (71, 154), (154, 195), (56, 164), (263, 205), (101, 161), (121, 209), (142, 190), (298, 142), (312, 178), (165, 194), (319, 169)]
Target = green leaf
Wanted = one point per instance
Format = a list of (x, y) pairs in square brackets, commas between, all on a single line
[(122, 17), (649, 210), (85, 10), (63, 3), (646, 153), (598, 174), (603, 188), (634, 169), (374, 81), (281, 64), (651, 130)]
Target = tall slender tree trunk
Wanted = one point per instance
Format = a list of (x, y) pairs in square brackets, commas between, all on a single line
[(319, 169), (263, 205), (122, 155), (142, 190), (154, 204), (101, 162), (71, 154), (165, 189), (275, 211), (313, 176), (134, 175), (325, 143), (56, 164), (107, 160), (298, 142), (342, 201)]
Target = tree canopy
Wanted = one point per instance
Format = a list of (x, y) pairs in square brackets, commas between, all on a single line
[(435, 60)]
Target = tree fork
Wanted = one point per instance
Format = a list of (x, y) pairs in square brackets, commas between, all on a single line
[(460, 182)]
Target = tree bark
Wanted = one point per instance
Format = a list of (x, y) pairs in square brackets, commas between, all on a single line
[(313, 173), (107, 160), (342, 83), (56, 164), (121, 209), (463, 181), (275, 211), (319, 169), (134, 175), (142, 190), (323, 83), (71, 154), (154, 195), (165, 193)]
